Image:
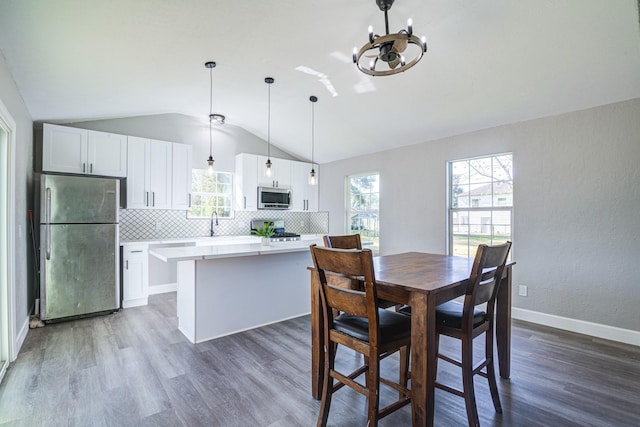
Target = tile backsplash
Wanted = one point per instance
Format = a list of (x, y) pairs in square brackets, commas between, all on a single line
[(142, 224)]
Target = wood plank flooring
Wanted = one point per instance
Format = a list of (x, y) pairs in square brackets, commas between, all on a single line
[(134, 368)]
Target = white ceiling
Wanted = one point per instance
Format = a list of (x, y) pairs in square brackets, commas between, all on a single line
[(490, 62)]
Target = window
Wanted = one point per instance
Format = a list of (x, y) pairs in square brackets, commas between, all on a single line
[(363, 207), (209, 193), (480, 203)]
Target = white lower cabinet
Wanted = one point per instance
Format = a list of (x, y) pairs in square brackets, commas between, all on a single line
[(135, 276)]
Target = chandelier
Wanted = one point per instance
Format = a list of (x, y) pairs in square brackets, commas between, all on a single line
[(387, 54), (213, 117)]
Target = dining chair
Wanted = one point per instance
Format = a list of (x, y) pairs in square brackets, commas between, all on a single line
[(353, 241), (465, 321), (362, 326)]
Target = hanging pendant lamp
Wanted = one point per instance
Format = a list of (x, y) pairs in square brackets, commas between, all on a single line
[(268, 172), (313, 178), (217, 118)]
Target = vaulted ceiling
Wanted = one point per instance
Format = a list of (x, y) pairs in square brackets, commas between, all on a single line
[(489, 62)]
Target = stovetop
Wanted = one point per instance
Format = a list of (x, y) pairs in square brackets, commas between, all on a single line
[(278, 227), (284, 237)]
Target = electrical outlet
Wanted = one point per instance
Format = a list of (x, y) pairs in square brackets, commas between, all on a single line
[(523, 290)]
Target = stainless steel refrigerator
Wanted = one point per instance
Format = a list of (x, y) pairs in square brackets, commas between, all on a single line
[(79, 256)]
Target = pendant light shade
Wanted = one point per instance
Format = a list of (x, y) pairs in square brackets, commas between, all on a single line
[(268, 171), (217, 118), (313, 177)]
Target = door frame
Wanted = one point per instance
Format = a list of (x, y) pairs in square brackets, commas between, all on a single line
[(7, 245)]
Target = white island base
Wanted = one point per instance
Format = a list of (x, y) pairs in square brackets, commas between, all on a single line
[(222, 291)]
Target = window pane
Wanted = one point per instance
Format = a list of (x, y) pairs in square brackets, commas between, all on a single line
[(480, 170)]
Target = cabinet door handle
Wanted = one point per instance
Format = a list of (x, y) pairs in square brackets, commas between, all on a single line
[(146, 200), (189, 200), (153, 198), (245, 202), (84, 167), (90, 167), (136, 252), (126, 264)]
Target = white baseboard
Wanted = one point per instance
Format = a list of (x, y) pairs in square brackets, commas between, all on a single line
[(20, 337), (612, 333), (163, 289)]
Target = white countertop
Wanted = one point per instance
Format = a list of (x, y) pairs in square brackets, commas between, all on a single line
[(232, 248), (210, 241)]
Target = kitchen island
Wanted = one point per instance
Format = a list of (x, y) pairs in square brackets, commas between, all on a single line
[(230, 286)]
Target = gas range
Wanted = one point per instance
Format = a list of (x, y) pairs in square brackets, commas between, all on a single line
[(278, 227), (284, 237)]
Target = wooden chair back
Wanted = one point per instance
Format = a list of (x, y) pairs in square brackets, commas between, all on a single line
[(485, 277), (349, 264), (349, 241)]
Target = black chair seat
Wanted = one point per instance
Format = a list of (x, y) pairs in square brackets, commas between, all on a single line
[(450, 314), (393, 326)]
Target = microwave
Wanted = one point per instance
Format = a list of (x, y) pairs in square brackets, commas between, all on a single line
[(274, 198)]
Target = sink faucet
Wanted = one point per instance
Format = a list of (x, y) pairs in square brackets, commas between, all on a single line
[(211, 222)]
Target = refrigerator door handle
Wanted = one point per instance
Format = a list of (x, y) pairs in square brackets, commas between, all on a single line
[(90, 167), (47, 218)]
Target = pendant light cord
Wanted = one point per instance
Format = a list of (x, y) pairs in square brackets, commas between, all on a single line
[(210, 110), (313, 109), (269, 122)]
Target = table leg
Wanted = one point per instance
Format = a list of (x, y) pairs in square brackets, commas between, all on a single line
[(317, 338), (423, 360), (503, 324)]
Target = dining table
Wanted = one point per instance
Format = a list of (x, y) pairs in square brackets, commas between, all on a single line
[(422, 281)]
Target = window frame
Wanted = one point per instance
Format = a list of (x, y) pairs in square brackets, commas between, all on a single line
[(230, 196), (348, 212), (493, 208)]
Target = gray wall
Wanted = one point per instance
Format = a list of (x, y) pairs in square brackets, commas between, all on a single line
[(23, 178), (576, 207)]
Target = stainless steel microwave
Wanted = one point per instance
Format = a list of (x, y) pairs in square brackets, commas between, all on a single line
[(274, 198)]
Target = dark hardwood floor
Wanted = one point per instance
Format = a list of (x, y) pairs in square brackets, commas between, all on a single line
[(135, 368)]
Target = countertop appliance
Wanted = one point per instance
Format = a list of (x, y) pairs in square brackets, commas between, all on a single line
[(278, 227), (274, 198), (78, 246)]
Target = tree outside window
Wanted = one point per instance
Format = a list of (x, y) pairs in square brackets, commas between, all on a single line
[(211, 193), (363, 209), (480, 203)]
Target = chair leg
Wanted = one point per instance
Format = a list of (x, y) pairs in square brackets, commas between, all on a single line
[(467, 381), (373, 399), (405, 354), (327, 387), (491, 372)]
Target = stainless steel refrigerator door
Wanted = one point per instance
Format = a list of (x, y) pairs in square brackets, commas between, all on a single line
[(79, 269), (76, 199)]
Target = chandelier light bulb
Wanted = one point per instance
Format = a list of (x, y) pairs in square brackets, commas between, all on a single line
[(355, 54), (410, 26), (312, 177), (423, 39), (210, 167)]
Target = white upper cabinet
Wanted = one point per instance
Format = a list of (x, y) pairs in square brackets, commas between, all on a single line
[(181, 177), (149, 174), (304, 195), (246, 182), (80, 151), (281, 175)]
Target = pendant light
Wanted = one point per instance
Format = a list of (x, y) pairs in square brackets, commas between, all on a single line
[(268, 172), (313, 178), (218, 118)]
